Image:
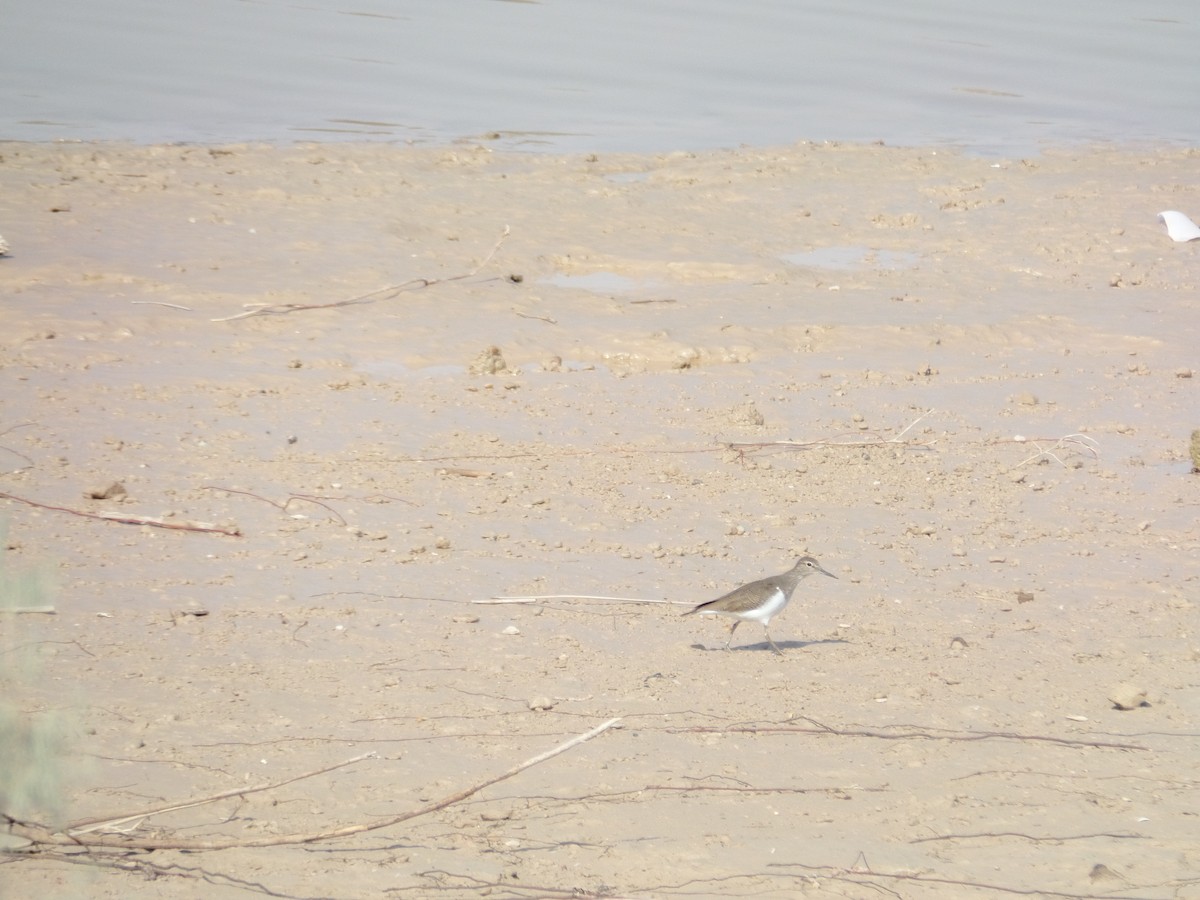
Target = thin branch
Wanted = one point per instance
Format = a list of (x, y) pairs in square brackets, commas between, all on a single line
[(268, 309), (161, 522), (84, 826), (862, 876), (28, 461), (1076, 442), (15, 427), (130, 519), (162, 303), (539, 318), (39, 834), (870, 440), (1028, 837), (535, 598), (705, 788), (910, 734), (307, 498)]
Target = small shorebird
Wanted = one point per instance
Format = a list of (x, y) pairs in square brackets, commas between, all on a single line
[(761, 600)]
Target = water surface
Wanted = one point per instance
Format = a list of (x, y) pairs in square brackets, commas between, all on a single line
[(628, 75)]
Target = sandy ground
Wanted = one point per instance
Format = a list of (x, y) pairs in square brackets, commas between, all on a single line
[(984, 371)]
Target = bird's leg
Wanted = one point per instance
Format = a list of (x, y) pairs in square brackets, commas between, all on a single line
[(736, 623), (767, 630)]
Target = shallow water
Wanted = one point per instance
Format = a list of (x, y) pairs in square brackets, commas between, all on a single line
[(613, 76)]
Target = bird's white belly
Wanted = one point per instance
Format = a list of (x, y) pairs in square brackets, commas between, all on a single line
[(775, 602)]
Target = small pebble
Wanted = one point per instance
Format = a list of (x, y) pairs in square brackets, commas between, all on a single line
[(538, 704), (112, 491), (511, 629), (1127, 696), (1101, 872)]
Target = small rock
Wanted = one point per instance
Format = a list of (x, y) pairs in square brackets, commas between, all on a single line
[(746, 414), (1183, 373), (114, 490), (1127, 696), (488, 362), (538, 704), (1025, 399), (465, 620), (1024, 597), (511, 629)]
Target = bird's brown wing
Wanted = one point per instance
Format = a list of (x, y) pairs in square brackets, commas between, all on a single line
[(748, 596)]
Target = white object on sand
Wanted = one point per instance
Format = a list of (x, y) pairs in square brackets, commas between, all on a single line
[(1179, 226)]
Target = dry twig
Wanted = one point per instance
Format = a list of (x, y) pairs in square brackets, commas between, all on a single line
[(864, 875), (1048, 838), (536, 598), (161, 303), (130, 519), (905, 735), (1079, 443), (28, 461), (109, 823), (319, 501), (539, 318), (41, 835), (383, 293), (869, 439)]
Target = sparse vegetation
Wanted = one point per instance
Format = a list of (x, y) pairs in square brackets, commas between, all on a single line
[(30, 742)]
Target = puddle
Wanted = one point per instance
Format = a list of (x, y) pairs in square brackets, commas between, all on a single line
[(599, 283), (627, 177), (847, 258)]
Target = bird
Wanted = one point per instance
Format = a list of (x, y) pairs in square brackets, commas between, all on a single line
[(760, 600)]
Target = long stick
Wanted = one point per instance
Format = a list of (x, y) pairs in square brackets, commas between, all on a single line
[(534, 598), (42, 835), (129, 519), (96, 824), (267, 309)]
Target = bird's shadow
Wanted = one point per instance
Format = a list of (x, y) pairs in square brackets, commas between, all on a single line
[(763, 645)]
